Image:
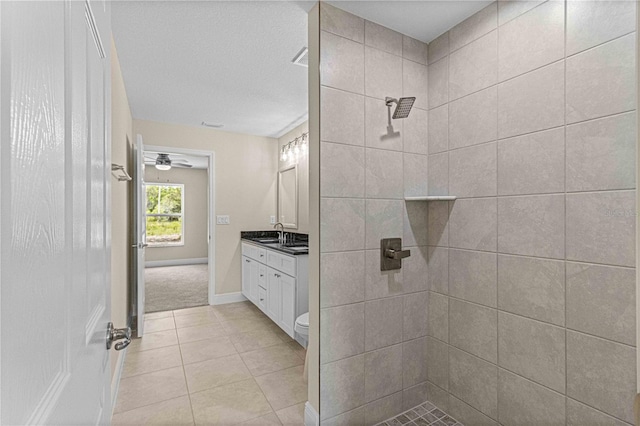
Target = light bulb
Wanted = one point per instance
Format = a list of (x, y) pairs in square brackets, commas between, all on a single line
[(296, 149)]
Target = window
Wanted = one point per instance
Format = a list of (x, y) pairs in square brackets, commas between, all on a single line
[(165, 204)]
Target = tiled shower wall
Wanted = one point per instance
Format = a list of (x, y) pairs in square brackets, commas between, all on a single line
[(532, 125), (373, 325)]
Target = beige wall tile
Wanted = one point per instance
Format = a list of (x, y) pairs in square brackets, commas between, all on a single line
[(438, 316), (474, 119), (439, 269), (532, 287), (474, 329), (383, 322), (353, 417), (342, 23), (594, 22), (532, 164), (601, 374), (473, 171), (382, 409), (415, 316), (382, 38), (438, 48), (439, 129), (415, 175), (438, 362), (438, 82), (414, 83), (521, 402), (474, 381), (345, 233), (415, 129), (468, 415), (438, 222), (474, 67), (598, 80), (379, 283), (383, 73), (414, 268), (473, 276), (532, 225), (342, 117), (532, 349), (382, 372), (415, 223), (415, 395), (384, 220), (438, 174), (414, 367), (378, 133), (601, 154), (531, 102), (343, 332), (414, 50), (474, 27), (532, 40), (341, 63), (341, 170), (473, 224), (579, 414), (342, 386), (601, 227), (438, 396), (601, 301), (341, 278)]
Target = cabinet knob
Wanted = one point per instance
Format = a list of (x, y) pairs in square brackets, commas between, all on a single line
[(247, 260)]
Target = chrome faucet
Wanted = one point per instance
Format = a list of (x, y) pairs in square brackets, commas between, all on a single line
[(280, 233)]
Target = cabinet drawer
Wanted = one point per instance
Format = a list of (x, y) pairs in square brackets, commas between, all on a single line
[(262, 299), (261, 255), (281, 262), (262, 276), (254, 252)]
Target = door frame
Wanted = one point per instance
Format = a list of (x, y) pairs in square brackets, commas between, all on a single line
[(211, 255)]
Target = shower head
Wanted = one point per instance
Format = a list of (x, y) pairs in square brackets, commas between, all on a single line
[(403, 106)]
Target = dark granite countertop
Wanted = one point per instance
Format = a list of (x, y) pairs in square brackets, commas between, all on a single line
[(297, 244)]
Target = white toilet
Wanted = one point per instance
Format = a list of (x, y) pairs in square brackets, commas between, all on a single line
[(302, 326)]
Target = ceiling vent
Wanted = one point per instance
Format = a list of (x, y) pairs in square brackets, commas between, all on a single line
[(302, 58), (215, 126)]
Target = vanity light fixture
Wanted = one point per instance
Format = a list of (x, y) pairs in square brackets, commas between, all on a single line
[(295, 148)]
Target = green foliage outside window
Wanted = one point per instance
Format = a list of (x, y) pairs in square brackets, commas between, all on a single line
[(164, 214)]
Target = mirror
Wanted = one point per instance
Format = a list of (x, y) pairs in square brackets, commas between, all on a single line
[(288, 197)]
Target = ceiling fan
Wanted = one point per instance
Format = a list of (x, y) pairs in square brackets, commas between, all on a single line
[(163, 162)]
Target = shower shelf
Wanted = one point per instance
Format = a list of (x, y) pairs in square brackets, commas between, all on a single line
[(432, 198)]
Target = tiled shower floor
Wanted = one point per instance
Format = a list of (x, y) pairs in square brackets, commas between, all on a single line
[(422, 415)]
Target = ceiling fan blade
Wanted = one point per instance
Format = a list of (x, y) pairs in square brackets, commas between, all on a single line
[(180, 160), (181, 165)]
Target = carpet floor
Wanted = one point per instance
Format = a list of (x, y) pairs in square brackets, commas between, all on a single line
[(176, 287)]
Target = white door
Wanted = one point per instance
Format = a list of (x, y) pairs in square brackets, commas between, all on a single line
[(54, 212), (140, 234)]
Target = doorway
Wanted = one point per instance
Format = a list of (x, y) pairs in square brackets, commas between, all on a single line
[(179, 266)]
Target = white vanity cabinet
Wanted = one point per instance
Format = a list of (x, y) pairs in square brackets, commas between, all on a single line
[(277, 283)]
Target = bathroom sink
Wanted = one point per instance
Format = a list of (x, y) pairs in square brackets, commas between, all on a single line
[(266, 240)]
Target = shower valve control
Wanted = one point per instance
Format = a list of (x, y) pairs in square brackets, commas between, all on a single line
[(391, 254)]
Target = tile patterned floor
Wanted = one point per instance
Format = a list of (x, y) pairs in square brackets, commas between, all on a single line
[(422, 415), (221, 365)]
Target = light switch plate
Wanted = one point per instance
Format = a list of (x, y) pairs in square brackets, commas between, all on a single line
[(272, 220), (222, 220)]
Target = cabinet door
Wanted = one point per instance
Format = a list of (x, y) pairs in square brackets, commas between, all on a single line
[(274, 295), (246, 277), (254, 274), (288, 301)]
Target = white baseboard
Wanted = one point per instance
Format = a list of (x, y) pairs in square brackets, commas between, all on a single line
[(115, 382), (175, 262), (311, 417), (221, 299)]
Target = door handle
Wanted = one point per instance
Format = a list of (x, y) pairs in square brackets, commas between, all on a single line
[(140, 245), (115, 334)]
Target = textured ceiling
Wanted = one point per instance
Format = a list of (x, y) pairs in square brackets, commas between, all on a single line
[(229, 62), (219, 62)]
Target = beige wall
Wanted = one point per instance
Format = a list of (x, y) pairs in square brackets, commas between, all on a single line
[(121, 137), (303, 176), (245, 185), (195, 217)]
